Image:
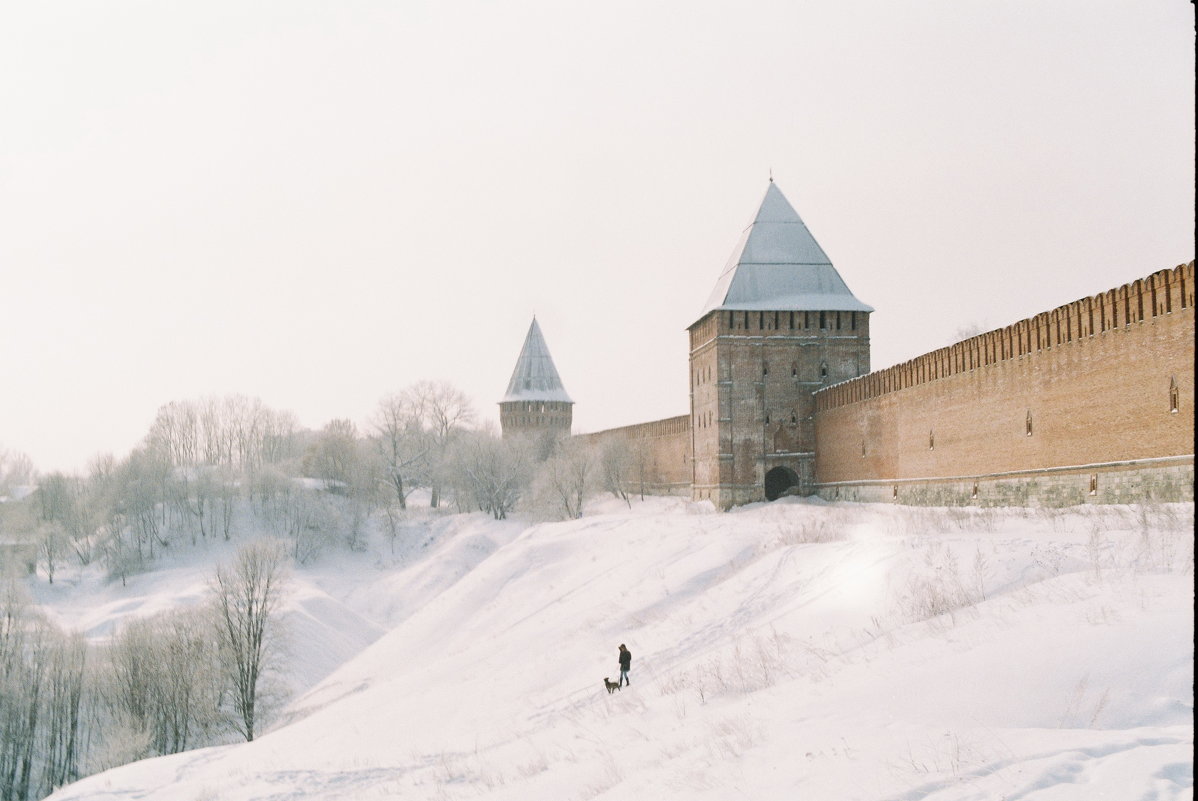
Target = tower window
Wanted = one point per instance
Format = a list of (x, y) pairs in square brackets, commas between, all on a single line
[(975, 490), (837, 321), (767, 418), (931, 440), (1028, 423), (792, 321), (1174, 395), (794, 419), (1093, 483), (823, 370), (794, 370), (765, 369), (853, 321), (823, 320)]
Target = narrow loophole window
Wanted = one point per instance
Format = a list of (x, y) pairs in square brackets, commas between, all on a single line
[(1028, 423), (932, 440), (975, 490), (1093, 483), (823, 370), (894, 494), (1174, 395)]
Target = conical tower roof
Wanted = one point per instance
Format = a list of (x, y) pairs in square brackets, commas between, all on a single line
[(778, 266), (535, 378)]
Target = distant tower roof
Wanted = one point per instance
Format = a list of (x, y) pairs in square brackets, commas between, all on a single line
[(778, 265), (535, 378)]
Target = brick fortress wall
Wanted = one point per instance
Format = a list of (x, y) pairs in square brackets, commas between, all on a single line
[(1092, 401), (659, 453)]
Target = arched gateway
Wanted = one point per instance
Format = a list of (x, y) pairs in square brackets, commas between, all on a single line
[(778, 481)]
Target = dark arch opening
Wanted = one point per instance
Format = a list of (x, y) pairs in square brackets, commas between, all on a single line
[(778, 481)]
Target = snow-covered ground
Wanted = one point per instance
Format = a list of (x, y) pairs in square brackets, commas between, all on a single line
[(780, 651)]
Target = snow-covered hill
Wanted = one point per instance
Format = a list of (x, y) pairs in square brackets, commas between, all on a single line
[(781, 651)]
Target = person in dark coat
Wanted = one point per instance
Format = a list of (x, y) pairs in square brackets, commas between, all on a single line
[(625, 664)]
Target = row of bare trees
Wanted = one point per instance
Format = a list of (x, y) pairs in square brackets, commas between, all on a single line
[(220, 467), (164, 684)]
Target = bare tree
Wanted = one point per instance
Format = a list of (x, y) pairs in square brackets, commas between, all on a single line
[(488, 473), (968, 331), (62, 741), (64, 500), (163, 680), (564, 479), (334, 455), (246, 596), (41, 679), (401, 442), (16, 470), (20, 684), (446, 412), (616, 468), (51, 547)]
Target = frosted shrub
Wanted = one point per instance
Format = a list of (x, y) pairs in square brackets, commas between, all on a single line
[(939, 588), (809, 531), (748, 668), (1165, 542)]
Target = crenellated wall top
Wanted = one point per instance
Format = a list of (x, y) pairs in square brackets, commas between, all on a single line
[(1161, 293)]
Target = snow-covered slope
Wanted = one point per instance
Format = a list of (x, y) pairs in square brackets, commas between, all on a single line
[(789, 650)]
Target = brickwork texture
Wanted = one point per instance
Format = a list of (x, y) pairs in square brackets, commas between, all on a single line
[(1089, 402)]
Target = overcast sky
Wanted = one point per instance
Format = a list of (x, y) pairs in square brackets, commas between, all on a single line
[(319, 203)]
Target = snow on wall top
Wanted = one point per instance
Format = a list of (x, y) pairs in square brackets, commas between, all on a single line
[(778, 265), (535, 377)]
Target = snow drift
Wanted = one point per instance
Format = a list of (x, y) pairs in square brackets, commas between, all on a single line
[(789, 650)]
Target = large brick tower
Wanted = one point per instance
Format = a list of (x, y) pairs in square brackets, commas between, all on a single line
[(779, 325), (536, 404)]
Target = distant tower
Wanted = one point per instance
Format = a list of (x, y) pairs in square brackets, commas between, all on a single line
[(536, 403), (779, 325)]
